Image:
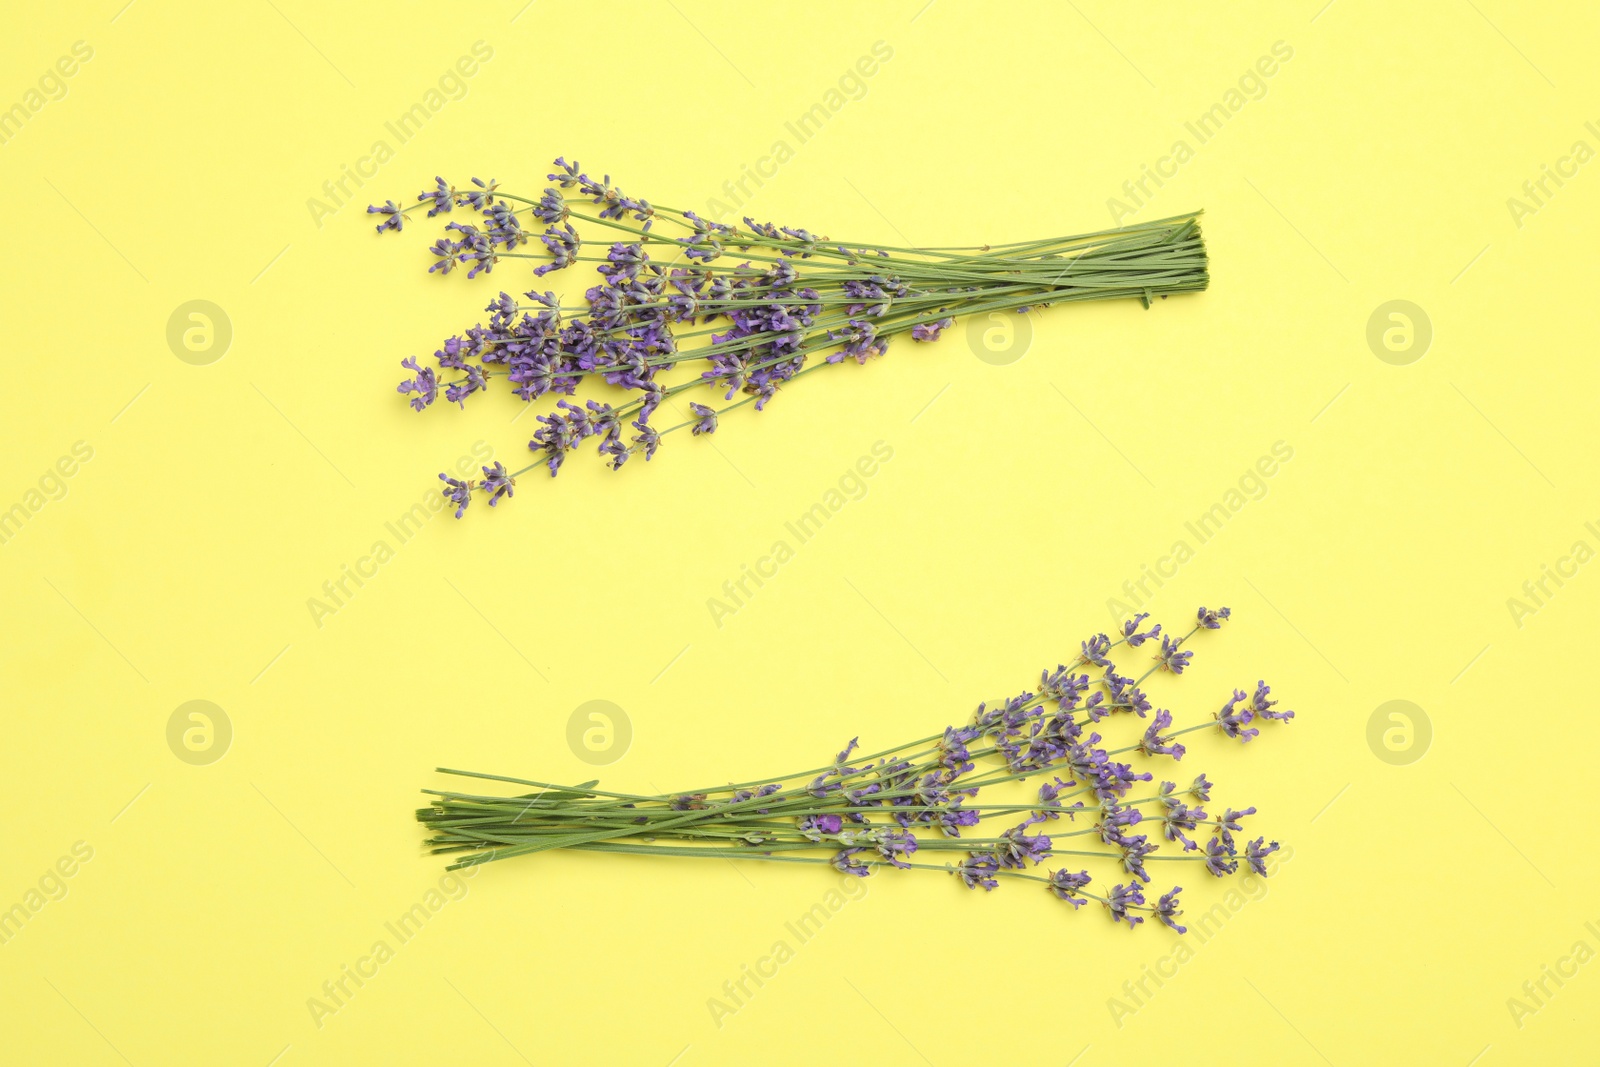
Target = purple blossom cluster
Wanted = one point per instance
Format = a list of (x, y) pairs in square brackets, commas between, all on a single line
[(752, 306), (904, 807)]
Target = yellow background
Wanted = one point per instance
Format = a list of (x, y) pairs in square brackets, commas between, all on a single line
[(1376, 166)]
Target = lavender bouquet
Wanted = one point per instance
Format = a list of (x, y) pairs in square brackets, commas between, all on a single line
[(917, 801), (751, 304)]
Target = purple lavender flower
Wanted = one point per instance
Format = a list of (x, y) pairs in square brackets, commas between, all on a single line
[(1256, 856), (1123, 898), (1134, 700), (1177, 818), (1114, 819), (1095, 649), (1085, 761), (1232, 723), (641, 210), (425, 384), (444, 252), (1229, 819), (707, 419), (1167, 909), (472, 383), (603, 421), (1096, 707), (808, 242), (1134, 851), (394, 215), (953, 820), (442, 195), (745, 794), (497, 483), (762, 229), (1130, 630), (1201, 788), (1049, 796), (1021, 848), (1065, 885), (820, 787), (895, 845), (647, 440), (860, 341), (504, 227), (930, 331), (654, 394), (551, 209), (1153, 744), (1115, 779), (979, 869), (566, 174), (1219, 856), (815, 826), (1212, 619), (563, 244), (845, 862), (1263, 707), (1062, 686), (623, 262), (555, 437), (954, 756), (1172, 659), (1061, 732), (458, 491), (866, 796), (475, 247), (481, 197), (616, 452)]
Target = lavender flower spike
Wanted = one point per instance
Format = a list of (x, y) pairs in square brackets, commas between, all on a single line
[(1065, 885), (979, 869), (497, 483), (895, 845), (1167, 910), (845, 862), (394, 215), (1122, 899), (1256, 856), (706, 419), (458, 491), (1170, 658), (1131, 627), (1153, 744), (1232, 723), (1263, 707)]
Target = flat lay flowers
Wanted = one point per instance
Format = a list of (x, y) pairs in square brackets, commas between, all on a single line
[(749, 307), (803, 426)]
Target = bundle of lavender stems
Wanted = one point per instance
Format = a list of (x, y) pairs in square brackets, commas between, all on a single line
[(916, 802), (751, 304)]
